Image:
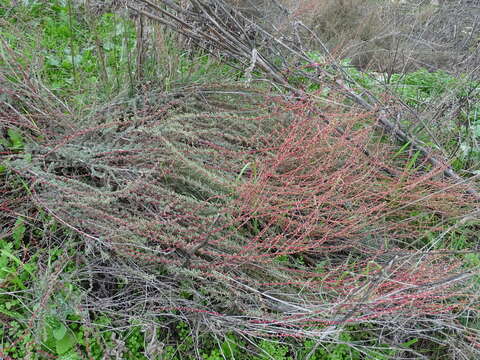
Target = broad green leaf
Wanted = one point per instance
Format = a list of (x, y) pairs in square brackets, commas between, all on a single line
[(59, 332), (66, 343)]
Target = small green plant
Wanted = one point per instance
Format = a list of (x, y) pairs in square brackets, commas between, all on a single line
[(185, 339), (16, 277), (14, 140), (134, 341), (15, 274), (272, 350), (60, 339), (230, 349), (65, 48), (340, 351)]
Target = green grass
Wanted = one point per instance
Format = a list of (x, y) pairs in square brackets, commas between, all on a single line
[(86, 59), (71, 54)]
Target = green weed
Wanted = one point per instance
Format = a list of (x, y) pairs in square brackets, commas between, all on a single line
[(66, 49), (16, 277)]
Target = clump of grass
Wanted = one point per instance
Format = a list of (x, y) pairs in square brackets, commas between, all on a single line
[(71, 51)]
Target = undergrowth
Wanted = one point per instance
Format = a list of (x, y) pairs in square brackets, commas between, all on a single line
[(156, 205)]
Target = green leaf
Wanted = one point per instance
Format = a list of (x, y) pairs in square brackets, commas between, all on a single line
[(16, 139), (29, 268), (8, 254), (71, 355), (12, 314), (65, 344), (59, 332), (472, 259), (108, 45), (476, 130), (18, 231), (409, 343), (53, 61), (3, 264)]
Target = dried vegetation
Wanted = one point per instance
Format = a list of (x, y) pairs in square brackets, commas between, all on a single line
[(257, 207)]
